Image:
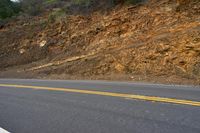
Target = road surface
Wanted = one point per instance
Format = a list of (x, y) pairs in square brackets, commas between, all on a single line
[(50, 106)]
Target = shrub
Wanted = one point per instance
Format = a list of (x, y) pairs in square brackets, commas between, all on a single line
[(82, 2), (133, 1), (8, 8), (32, 7), (56, 15)]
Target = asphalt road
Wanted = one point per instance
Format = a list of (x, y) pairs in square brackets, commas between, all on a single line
[(83, 108)]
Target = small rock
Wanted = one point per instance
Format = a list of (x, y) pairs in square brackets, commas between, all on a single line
[(21, 51), (119, 67), (43, 43)]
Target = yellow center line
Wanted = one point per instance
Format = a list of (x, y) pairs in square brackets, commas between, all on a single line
[(111, 94)]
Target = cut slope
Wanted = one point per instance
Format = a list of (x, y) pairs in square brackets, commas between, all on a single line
[(153, 39)]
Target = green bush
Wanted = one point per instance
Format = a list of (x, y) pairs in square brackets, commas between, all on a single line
[(50, 1), (113, 2), (88, 6), (35, 7), (56, 15), (133, 1), (8, 8), (82, 2), (32, 7)]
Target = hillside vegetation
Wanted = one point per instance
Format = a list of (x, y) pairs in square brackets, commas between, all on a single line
[(8, 8), (153, 40)]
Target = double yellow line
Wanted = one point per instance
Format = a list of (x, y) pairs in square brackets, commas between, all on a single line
[(111, 94)]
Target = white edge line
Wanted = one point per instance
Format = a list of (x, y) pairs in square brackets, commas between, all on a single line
[(3, 130)]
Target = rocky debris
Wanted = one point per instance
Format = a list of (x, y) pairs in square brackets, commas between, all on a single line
[(21, 51), (152, 39), (60, 62), (43, 43)]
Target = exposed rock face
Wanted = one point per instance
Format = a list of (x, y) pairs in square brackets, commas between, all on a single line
[(150, 39)]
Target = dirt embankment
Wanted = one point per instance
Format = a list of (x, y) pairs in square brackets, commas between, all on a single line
[(155, 41)]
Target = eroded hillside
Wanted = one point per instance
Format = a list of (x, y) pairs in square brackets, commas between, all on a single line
[(156, 41)]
